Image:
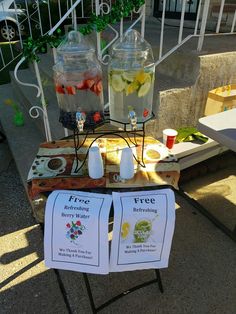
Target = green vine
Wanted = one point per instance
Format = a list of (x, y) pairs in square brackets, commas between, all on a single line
[(119, 10), (32, 47)]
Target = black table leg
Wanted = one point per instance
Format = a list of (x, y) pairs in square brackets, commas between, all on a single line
[(124, 293), (2, 137)]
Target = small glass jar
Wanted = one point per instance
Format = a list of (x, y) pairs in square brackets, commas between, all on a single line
[(78, 83), (131, 79)]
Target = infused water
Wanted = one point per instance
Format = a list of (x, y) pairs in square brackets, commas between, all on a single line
[(131, 90), (131, 80)]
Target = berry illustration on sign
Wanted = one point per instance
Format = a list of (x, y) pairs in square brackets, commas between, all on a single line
[(74, 230)]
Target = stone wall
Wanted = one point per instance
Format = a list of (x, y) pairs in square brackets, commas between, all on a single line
[(181, 107)]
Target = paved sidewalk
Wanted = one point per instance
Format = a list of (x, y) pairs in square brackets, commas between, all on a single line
[(26, 286), (200, 278)]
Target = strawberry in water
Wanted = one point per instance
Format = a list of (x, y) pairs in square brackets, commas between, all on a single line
[(97, 117), (89, 83), (70, 90), (99, 87), (81, 85), (94, 88), (145, 112), (60, 89)]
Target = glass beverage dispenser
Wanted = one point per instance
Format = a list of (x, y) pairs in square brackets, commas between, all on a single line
[(78, 83), (131, 79)]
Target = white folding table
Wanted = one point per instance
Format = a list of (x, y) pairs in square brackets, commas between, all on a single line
[(220, 127)]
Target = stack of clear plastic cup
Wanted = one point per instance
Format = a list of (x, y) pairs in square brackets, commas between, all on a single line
[(95, 163), (127, 164)]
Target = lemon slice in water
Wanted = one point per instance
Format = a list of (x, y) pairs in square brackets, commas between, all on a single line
[(129, 76), (144, 89), (117, 83), (131, 88), (143, 77)]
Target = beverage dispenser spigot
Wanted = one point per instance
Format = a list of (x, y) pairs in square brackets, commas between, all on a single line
[(133, 119), (80, 120)]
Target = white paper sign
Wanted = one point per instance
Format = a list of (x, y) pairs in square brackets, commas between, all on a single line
[(143, 229), (76, 231)]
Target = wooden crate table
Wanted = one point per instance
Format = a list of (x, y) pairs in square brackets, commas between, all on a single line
[(54, 164)]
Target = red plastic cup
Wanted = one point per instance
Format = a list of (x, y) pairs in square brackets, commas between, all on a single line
[(169, 136)]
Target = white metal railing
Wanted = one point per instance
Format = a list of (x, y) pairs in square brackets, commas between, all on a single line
[(33, 18), (39, 87), (99, 9), (102, 7), (203, 15)]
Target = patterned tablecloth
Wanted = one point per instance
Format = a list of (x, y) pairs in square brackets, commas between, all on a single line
[(54, 166)]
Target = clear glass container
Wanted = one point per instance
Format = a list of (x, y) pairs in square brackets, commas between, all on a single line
[(78, 83), (131, 79)]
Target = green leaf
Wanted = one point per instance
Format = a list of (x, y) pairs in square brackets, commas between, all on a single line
[(189, 134)]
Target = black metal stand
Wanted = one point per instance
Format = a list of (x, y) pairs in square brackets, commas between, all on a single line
[(2, 137), (128, 133), (124, 293)]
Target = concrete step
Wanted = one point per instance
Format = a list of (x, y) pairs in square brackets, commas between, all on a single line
[(46, 68), (184, 63), (27, 96), (23, 141), (181, 65), (166, 82), (184, 105)]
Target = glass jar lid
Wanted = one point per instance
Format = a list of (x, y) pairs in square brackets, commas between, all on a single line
[(75, 44), (132, 44)]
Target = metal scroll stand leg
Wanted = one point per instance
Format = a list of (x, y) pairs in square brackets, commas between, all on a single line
[(2, 137), (124, 293)]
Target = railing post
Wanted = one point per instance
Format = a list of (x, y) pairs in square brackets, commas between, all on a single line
[(143, 12), (2, 58), (233, 23), (121, 27), (162, 27), (220, 16), (28, 18), (98, 35), (39, 15), (75, 19), (18, 25), (182, 21), (54, 52), (203, 25), (44, 105), (198, 16)]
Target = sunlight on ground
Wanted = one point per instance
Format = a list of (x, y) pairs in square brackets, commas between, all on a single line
[(27, 275), (17, 255), (224, 187), (17, 235), (177, 206)]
